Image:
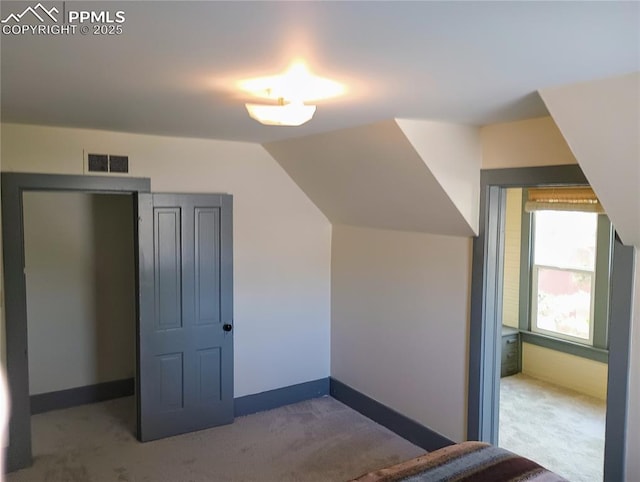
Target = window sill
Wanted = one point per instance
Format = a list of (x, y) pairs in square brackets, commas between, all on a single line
[(597, 354)]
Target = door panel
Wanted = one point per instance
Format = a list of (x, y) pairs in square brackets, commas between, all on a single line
[(207, 266), (209, 371), (170, 368), (185, 379), (167, 264)]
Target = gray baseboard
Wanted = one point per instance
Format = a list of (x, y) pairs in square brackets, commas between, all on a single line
[(72, 397), (246, 405), (279, 397), (259, 402), (394, 421)]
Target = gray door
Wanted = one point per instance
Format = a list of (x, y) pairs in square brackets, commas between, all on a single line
[(185, 320)]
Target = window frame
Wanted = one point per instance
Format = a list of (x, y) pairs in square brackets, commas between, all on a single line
[(599, 349), (534, 304)]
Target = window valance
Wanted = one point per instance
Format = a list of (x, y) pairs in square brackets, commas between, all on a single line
[(563, 199)]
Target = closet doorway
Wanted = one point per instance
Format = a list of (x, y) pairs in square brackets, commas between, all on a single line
[(15, 187), (81, 297)]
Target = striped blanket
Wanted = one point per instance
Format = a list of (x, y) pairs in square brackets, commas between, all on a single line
[(468, 462)]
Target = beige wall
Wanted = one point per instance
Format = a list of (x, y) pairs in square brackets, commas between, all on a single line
[(526, 143), (577, 373), (512, 239), (80, 279), (400, 309), (281, 240)]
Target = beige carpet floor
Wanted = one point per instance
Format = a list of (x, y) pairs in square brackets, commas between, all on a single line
[(318, 440), (558, 428)]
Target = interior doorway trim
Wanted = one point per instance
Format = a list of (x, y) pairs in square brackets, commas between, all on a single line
[(17, 363), (486, 287)]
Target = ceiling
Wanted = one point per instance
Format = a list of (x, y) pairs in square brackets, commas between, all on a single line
[(172, 70), (381, 175)]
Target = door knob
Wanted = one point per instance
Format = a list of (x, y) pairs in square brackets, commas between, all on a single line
[(227, 327)]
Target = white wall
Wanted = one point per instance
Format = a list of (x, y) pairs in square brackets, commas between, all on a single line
[(80, 279), (400, 309), (281, 240)]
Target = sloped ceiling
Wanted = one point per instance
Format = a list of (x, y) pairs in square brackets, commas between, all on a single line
[(372, 176), (600, 121), (453, 154)]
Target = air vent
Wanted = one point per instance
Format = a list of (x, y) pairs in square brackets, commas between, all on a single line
[(107, 163), (98, 162), (119, 163)]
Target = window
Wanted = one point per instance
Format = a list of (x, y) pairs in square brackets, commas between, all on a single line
[(566, 253), (563, 274)]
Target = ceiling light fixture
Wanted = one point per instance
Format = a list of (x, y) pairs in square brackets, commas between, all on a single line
[(291, 114), (290, 90)]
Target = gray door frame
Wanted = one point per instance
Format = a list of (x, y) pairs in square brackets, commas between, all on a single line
[(486, 284), (18, 452)]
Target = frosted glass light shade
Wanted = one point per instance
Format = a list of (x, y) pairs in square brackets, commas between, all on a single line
[(293, 114)]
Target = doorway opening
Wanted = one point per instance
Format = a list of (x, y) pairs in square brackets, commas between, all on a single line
[(554, 347), (486, 313), (17, 189), (81, 312), (81, 297)]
